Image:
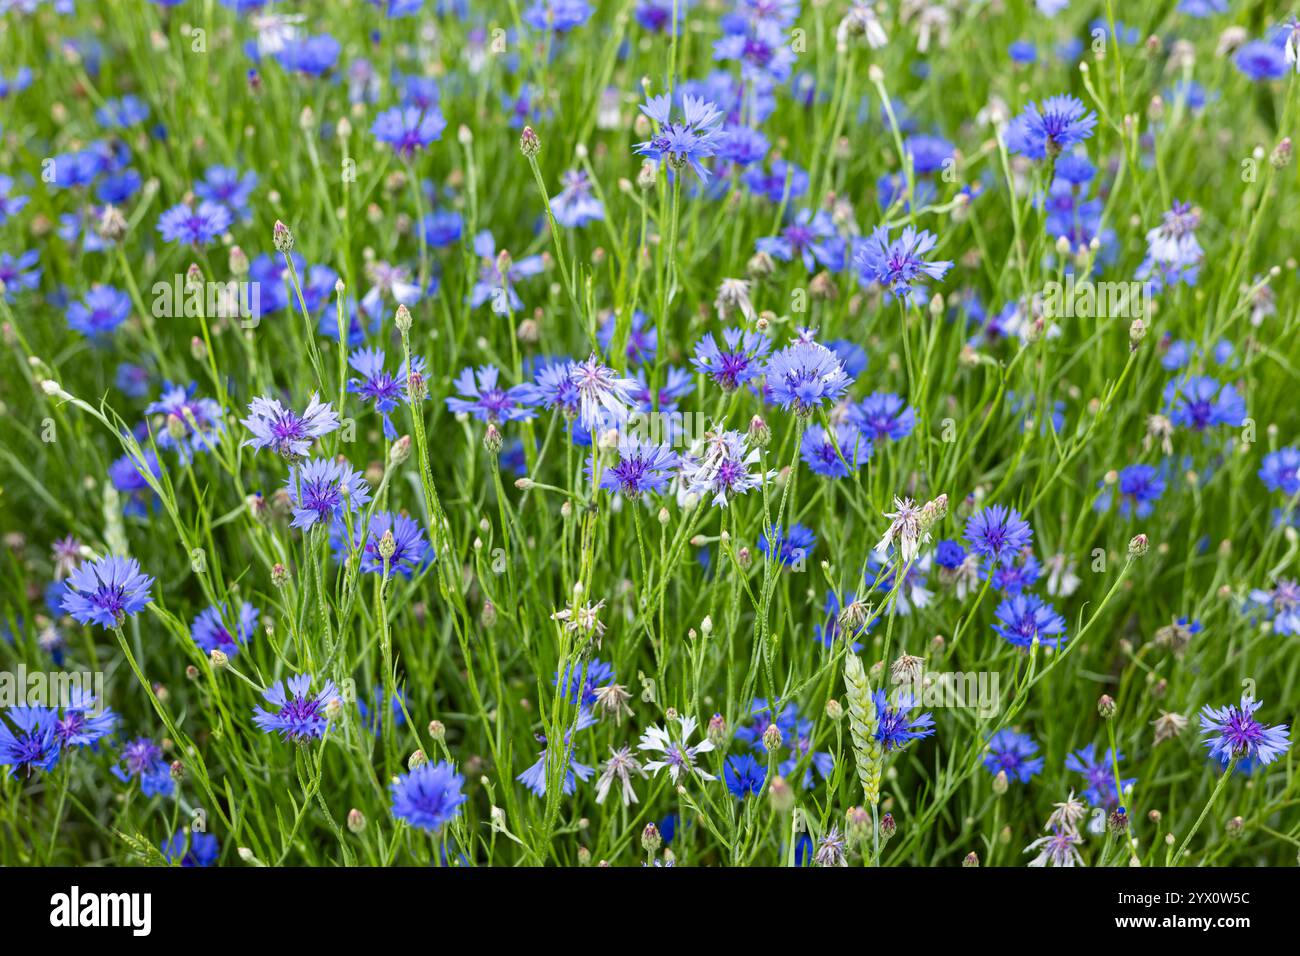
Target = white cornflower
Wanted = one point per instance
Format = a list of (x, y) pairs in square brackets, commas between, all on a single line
[(582, 618), (905, 530), (679, 758), (1059, 848), (621, 764), (733, 296), (1061, 579), (603, 395), (1067, 815)]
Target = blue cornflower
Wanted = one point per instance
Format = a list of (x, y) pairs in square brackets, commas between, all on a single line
[(949, 554), (996, 530), (534, 778), (851, 355), (685, 143), (493, 284), (835, 459), (103, 309), (1199, 402), (1261, 61), (122, 112), (580, 688), (10, 203), (481, 397), (811, 237), (1026, 618), (142, 758), (1061, 123), (442, 227), (742, 145), (603, 394), (642, 337), (1013, 574), (1280, 605), (297, 716), (128, 476), (643, 466), (762, 48), (560, 16), (897, 263), (785, 182), (379, 387), (575, 206), (1174, 254), (309, 55), (1100, 775), (187, 424), (192, 849), (896, 729), (883, 415), (1233, 733), (225, 186), (1023, 51), (20, 273), (1281, 471), (82, 723), (722, 468), (322, 489), (32, 743), (411, 549), (676, 385), (655, 15), (210, 632), (790, 548), (928, 153), (408, 128), (1013, 753), (739, 360), (429, 797), (804, 375), (553, 387), (197, 226), (744, 776), (1139, 486), (105, 591), (371, 712), (285, 432)]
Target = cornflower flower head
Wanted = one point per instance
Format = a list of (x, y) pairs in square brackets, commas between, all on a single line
[(1280, 605), (603, 394), (408, 128), (574, 205), (32, 743), (1060, 124), (1025, 619), (835, 457), (787, 548), (66, 554), (225, 186), (1013, 573), (642, 337), (907, 530), (285, 432), (210, 632), (897, 263), (738, 361), (553, 387), (1139, 486), (720, 466), (322, 489), (1199, 403), (106, 591), (805, 375), (559, 16), (883, 415), (895, 727), (82, 723), (997, 530), (428, 797), (100, 312), (830, 849), (733, 298), (1067, 815), (20, 273), (142, 759), (1233, 733), (1014, 754), (482, 397), (762, 48), (186, 424), (411, 553), (1262, 61), (1099, 774), (298, 715), (1058, 848), (811, 237), (744, 776), (678, 756), (198, 850), (534, 778), (579, 618), (197, 226), (848, 621), (580, 687), (642, 467), (620, 766), (1281, 471), (683, 143), (380, 387)]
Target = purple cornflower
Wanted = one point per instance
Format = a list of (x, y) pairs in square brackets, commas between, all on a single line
[(738, 362), (1013, 753), (106, 591), (785, 183), (761, 47), (196, 226), (603, 394), (883, 415), (1059, 848), (66, 555), (322, 489), (1099, 774), (102, 310), (188, 424), (685, 143), (1060, 124), (481, 397), (656, 15), (896, 729), (995, 530), (678, 383), (429, 797), (897, 263), (1261, 61), (574, 205), (1199, 402), (283, 431), (143, 758), (1139, 487), (811, 237), (82, 723), (32, 743), (380, 387), (534, 777), (804, 375), (744, 776), (210, 632), (1013, 574), (642, 466), (1026, 618), (791, 548), (411, 549), (408, 128), (835, 459), (297, 716), (721, 467), (1281, 471), (1233, 733), (553, 387)]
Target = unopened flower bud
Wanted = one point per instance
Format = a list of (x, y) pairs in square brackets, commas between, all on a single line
[(418, 759), (650, 838), (437, 730), (1138, 545), (1106, 706), (356, 820), (281, 237), (529, 144)]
